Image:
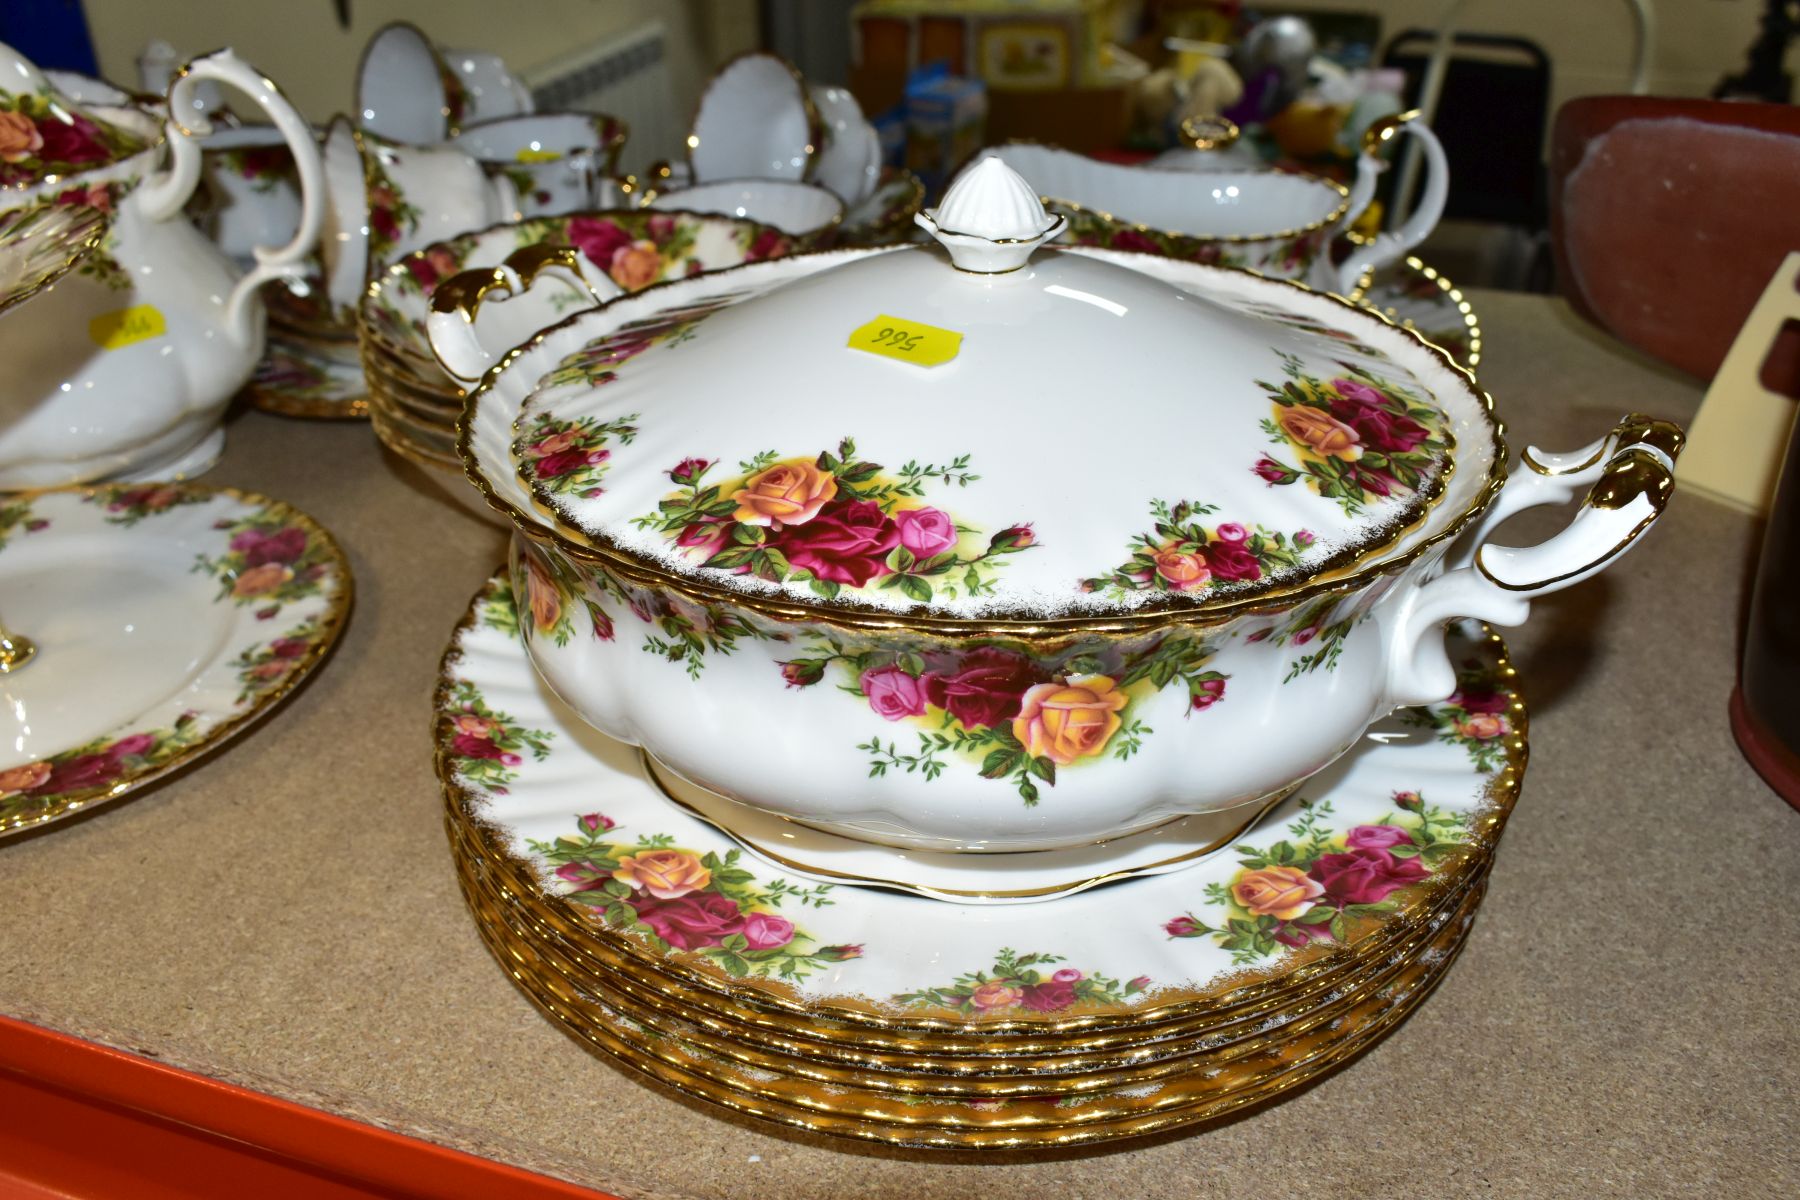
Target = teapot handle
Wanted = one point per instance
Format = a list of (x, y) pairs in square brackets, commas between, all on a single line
[(456, 304), (1389, 246), (164, 195), (1633, 474)]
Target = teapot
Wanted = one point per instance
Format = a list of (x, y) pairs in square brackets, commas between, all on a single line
[(124, 366)]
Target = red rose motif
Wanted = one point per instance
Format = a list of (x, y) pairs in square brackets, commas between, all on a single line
[(1049, 996), (1132, 239), (129, 747), (693, 921), (1479, 702), (289, 647), (384, 223), (765, 932), (660, 228), (704, 538), (986, 689), (1232, 561), (76, 140), (770, 243), (596, 822), (1209, 693), (260, 546), (598, 239), (1364, 876), (1295, 934), (1273, 472), (1364, 410), (564, 462), (846, 543), (1377, 837), (86, 771), (470, 745), (893, 693), (582, 877)]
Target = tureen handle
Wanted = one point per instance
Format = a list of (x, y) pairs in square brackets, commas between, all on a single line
[(1388, 247), (456, 303), (164, 196), (1630, 488)]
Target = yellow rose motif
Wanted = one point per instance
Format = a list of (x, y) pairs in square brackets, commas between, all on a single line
[(665, 874), (541, 595), (1067, 721), (1320, 432), (1182, 570), (788, 493), (995, 993), (19, 137), (23, 778), (1280, 892), (635, 266), (261, 580)]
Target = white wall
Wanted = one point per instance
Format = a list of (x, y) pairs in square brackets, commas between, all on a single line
[(298, 42)]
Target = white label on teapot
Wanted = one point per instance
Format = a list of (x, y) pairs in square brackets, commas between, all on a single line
[(123, 326), (909, 341)]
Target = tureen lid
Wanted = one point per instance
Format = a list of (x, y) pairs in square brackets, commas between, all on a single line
[(981, 427), (45, 136)]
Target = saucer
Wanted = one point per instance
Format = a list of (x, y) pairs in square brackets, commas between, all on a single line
[(296, 380), (168, 617), (1418, 297), (41, 244), (1415, 809), (1023, 877)]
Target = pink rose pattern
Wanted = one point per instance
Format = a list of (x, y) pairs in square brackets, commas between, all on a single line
[(571, 457), (1475, 717), (1351, 877), (971, 704), (40, 138), (1183, 555), (836, 521), (1288, 256), (1355, 438), (1017, 983), (706, 904), (268, 562), (486, 745)]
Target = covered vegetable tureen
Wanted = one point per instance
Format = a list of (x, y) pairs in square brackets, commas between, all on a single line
[(988, 546)]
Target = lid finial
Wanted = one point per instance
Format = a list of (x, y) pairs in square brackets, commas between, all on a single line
[(991, 219)]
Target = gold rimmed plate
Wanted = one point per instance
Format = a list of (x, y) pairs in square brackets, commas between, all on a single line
[(168, 617), (1049, 1118), (599, 849), (41, 243)]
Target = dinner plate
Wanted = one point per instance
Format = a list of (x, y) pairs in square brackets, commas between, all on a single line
[(168, 617)]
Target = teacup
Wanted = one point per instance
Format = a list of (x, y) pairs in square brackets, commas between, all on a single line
[(388, 199), (405, 91), (490, 91), (552, 159), (850, 160), (755, 121), (253, 190), (797, 209)]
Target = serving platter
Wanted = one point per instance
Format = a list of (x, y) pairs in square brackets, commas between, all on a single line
[(168, 617)]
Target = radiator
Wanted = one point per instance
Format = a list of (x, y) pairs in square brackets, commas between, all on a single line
[(626, 76)]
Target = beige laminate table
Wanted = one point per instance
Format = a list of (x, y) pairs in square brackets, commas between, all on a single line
[(1621, 1024)]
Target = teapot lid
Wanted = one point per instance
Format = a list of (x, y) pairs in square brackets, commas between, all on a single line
[(978, 427), (45, 136)]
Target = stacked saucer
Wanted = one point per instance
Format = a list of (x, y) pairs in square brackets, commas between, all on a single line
[(414, 402), (1151, 1003)]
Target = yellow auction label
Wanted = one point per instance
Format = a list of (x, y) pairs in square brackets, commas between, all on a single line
[(909, 341), (123, 326), (529, 155)]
